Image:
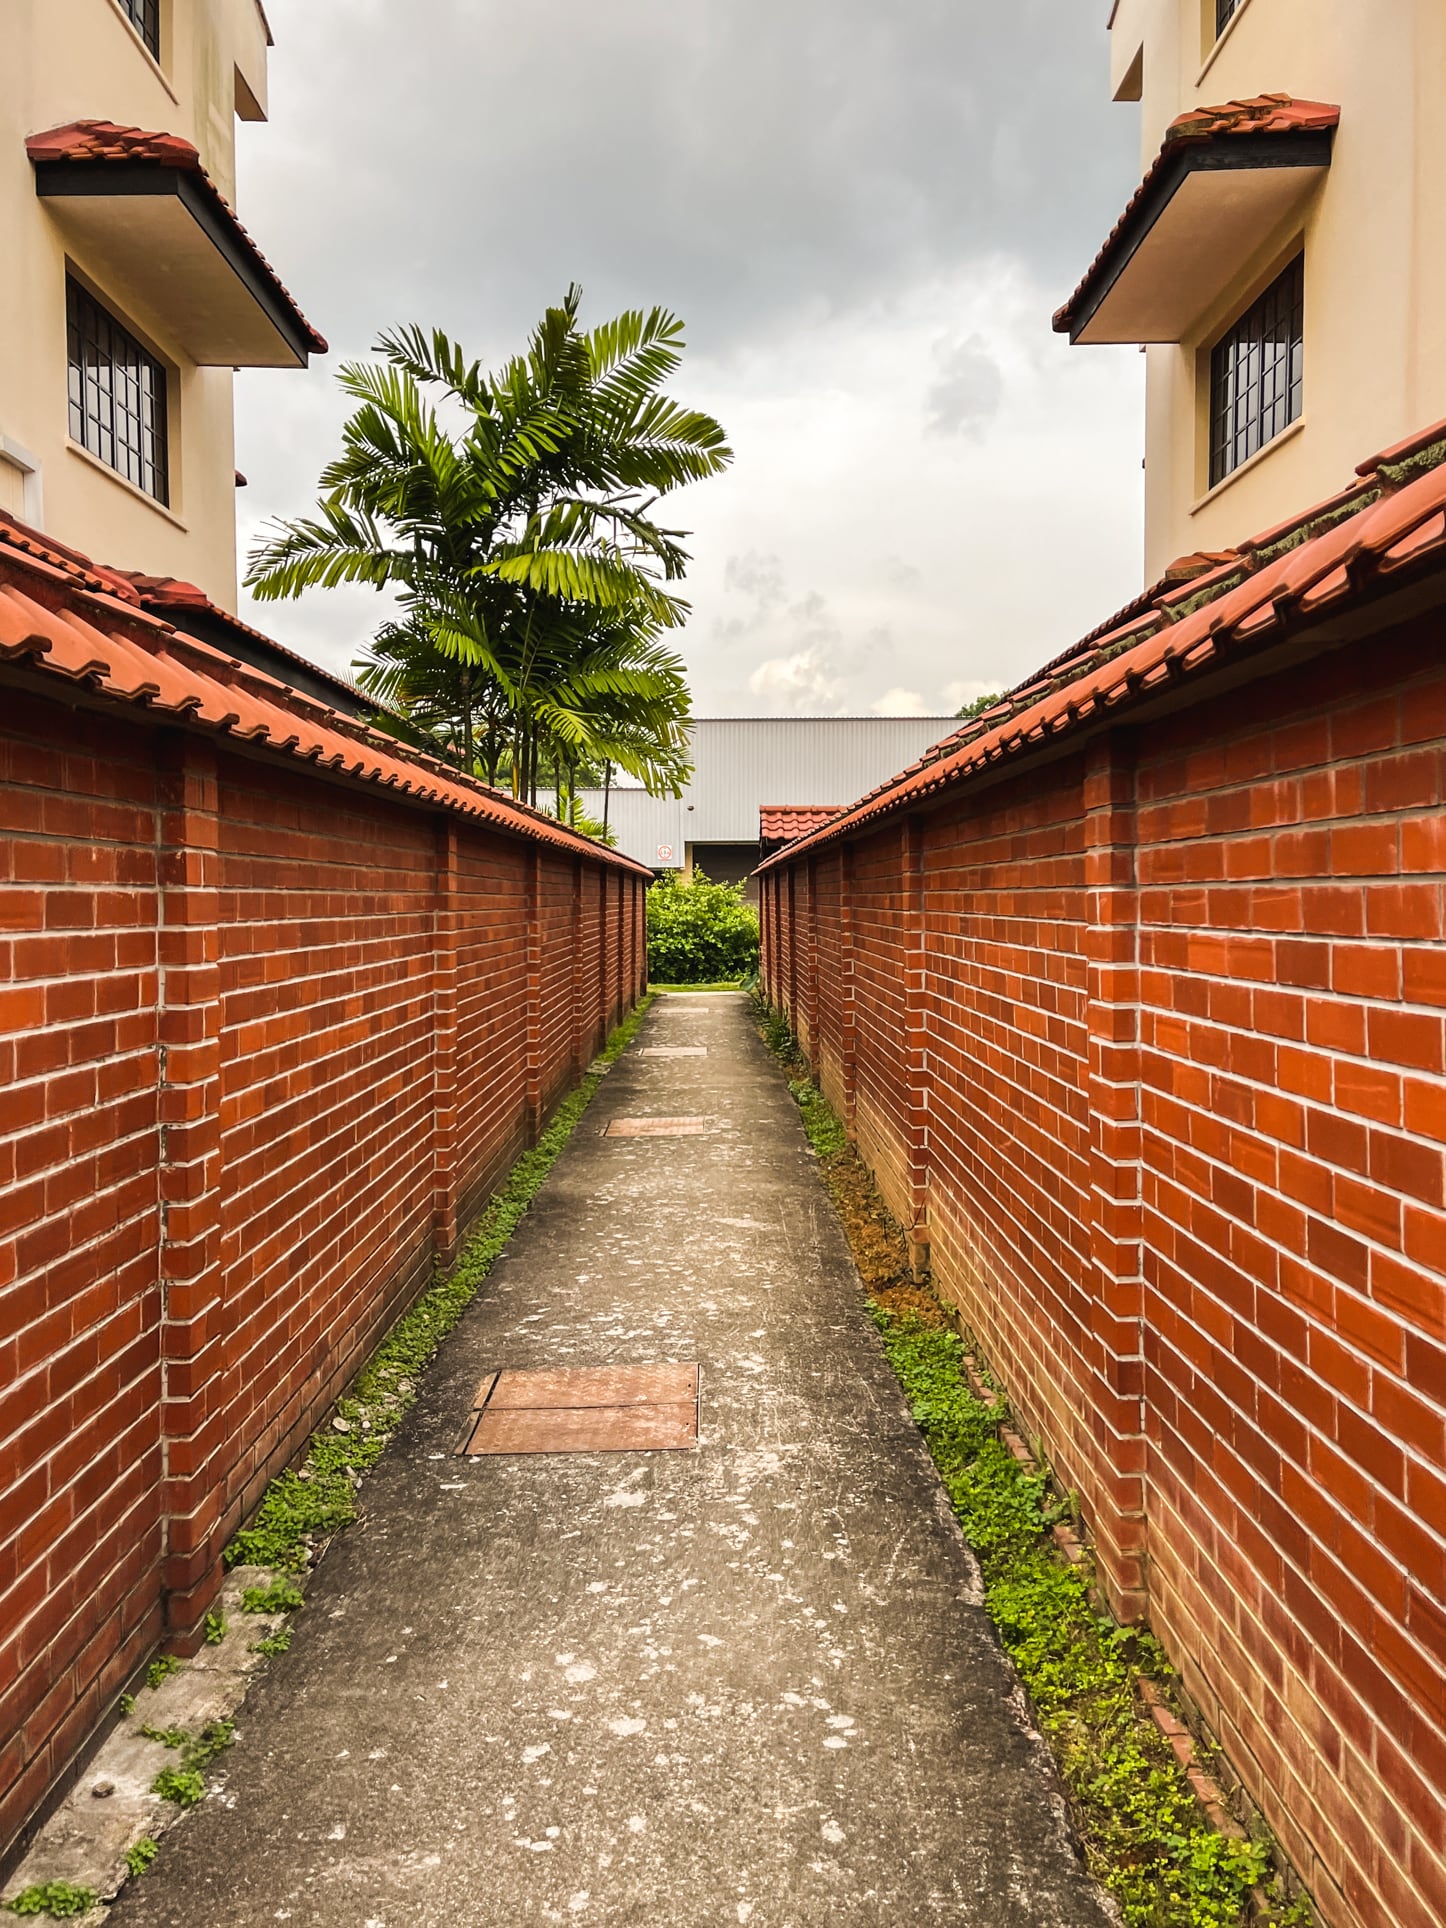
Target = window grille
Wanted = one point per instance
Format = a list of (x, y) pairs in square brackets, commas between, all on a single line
[(1256, 374), (145, 17), (117, 395), (1225, 12)]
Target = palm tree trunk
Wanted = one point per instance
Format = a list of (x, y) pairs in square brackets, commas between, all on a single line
[(467, 757)]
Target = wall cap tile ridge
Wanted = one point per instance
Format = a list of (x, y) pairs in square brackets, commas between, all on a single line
[(124, 654), (157, 594), (1368, 534)]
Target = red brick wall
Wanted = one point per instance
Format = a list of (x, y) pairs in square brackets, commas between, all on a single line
[(1179, 1046), (267, 1041)]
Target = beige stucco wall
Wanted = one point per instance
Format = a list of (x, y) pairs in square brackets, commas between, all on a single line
[(70, 60), (1375, 266)]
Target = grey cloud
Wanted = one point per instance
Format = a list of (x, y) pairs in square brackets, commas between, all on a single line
[(746, 161), (968, 391), (757, 576)]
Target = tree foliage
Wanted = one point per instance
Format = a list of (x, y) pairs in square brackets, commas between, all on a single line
[(699, 932), (511, 515)]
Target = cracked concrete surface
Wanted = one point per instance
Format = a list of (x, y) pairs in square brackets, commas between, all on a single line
[(750, 1683)]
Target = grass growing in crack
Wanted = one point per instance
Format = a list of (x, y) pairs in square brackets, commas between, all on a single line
[(186, 1784), (276, 1642), (62, 1900), (1144, 1834), (181, 1785), (282, 1596), (161, 1668), (307, 1504), (1146, 1838), (140, 1855), (215, 1629)]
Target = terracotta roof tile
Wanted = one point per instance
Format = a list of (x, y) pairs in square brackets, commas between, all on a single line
[(162, 593), (65, 619), (94, 140), (789, 820), (1328, 558), (1261, 114)]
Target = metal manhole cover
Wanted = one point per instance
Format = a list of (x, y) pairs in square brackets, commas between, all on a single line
[(605, 1409), (594, 1386), (657, 1127), (675, 1051)]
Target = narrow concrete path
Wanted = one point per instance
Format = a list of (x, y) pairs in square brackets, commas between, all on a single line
[(746, 1684)]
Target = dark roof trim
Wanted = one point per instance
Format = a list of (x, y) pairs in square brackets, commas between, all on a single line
[(1306, 148)]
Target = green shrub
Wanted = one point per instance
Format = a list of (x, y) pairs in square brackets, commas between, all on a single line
[(699, 932)]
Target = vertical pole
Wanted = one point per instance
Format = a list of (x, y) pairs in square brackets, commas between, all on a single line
[(193, 1419), (1114, 1206), (445, 935)]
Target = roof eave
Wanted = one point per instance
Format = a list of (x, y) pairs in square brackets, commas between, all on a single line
[(102, 179), (1307, 149)]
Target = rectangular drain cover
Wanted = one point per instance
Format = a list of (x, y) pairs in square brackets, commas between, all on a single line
[(605, 1409), (675, 1051), (657, 1127)]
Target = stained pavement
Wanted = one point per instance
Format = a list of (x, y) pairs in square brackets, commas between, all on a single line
[(748, 1684)]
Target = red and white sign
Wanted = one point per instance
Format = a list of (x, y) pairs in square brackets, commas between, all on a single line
[(665, 853)]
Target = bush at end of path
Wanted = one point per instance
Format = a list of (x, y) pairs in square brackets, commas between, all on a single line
[(700, 932)]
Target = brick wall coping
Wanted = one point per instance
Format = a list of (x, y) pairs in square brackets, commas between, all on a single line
[(84, 627), (1386, 529)]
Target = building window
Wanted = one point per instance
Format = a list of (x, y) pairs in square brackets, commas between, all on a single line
[(145, 17), (117, 395), (1225, 12), (1255, 374)]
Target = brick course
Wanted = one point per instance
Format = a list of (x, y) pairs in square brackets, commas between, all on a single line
[(1163, 1020), (268, 1038)]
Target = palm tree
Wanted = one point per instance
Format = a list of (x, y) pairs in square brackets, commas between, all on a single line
[(534, 584)]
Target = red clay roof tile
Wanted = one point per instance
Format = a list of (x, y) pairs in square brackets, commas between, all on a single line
[(94, 140), (62, 617), (789, 820), (1199, 127), (1329, 557)]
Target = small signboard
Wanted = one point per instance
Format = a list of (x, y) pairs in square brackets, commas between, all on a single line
[(665, 853)]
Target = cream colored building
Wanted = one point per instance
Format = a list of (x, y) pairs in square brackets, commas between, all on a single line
[(128, 289), (1285, 265)]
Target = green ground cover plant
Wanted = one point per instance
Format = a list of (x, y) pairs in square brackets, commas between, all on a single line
[(306, 1504), (61, 1900), (723, 984), (186, 1784), (140, 1855), (699, 932), (1145, 1836)]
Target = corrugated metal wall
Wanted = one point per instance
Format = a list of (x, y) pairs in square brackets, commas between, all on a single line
[(745, 762)]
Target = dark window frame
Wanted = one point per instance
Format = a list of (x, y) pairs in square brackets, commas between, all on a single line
[(1257, 374), (145, 17), (1225, 12), (117, 393)]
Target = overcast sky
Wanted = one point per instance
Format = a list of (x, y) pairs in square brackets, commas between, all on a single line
[(865, 214)]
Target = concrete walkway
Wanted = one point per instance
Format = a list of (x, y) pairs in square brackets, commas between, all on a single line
[(746, 1684)]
